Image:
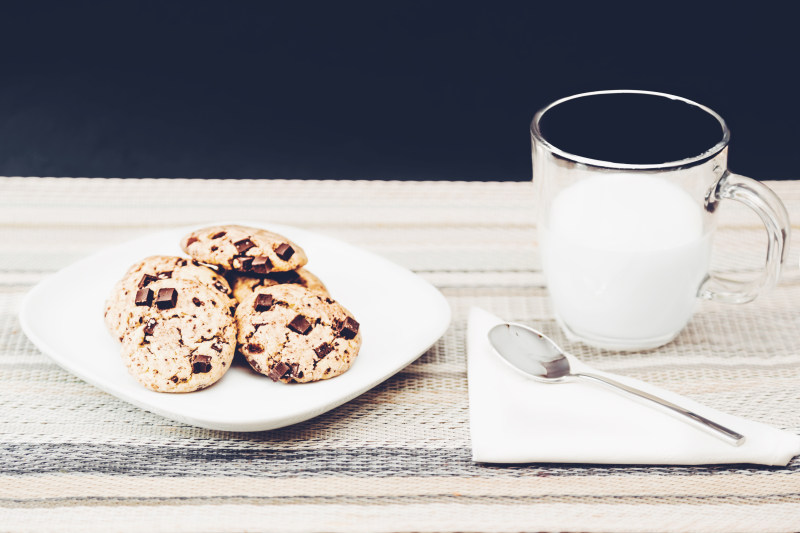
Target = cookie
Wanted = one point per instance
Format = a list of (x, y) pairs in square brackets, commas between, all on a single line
[(291, 334), (244, 286), (184, 336), (120, 307), (245, 250)]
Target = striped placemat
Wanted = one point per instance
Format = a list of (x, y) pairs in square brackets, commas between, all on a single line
[(73, 458)]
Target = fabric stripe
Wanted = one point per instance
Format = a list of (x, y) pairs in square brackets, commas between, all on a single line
[(624, 517), (615, 484), (179, 461)]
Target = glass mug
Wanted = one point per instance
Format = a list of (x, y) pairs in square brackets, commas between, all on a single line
[(627, 184)]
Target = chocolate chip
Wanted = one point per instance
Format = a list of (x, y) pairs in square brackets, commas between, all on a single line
[(196, 301), (147, 278), (323, 349), (150, 326), (164, 275), (261, 264), (220, 287), (255, 348), (182, 262), (214, 248), (243, 263), (284, 251), (201, 364), (278, 371), (286, 277), (174, 379), (217, 346), (243, 245), (166, 298), (300, 325), (349, 328), (191, 241), (263, 302), (218, 235), (295, 367), (144, 297)]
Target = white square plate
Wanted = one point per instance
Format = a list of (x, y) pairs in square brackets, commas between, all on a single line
[(401, 316)]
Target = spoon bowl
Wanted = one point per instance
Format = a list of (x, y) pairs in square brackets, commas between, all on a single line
[(530, 352)]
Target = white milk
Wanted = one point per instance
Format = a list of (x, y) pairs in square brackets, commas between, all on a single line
[(624, 256)]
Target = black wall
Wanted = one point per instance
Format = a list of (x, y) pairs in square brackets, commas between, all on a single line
[(408, 90)]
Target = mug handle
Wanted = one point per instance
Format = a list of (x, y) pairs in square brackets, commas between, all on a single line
[(772, 212)]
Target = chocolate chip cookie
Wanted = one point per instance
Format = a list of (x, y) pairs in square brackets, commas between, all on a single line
[(120, 304), (245, 250), (244, 286), (184, 336), (291, 334)]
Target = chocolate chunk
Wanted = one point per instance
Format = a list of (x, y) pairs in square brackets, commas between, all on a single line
[(174, 379), (278, 371), (166, 298), (349, 328), (284, 251), (261, 264), (295, 366), (218, 235), (243, 263), (243, 245), (150, 326), (323, 349), (263, 302), (147, 278), (201, 364), (300, 325), (286, 277), (220, 287), (144, 297), (255, 348), (191, 241), (217, 346), (214, 248), (196, 301), (182, 262), (164, 275)]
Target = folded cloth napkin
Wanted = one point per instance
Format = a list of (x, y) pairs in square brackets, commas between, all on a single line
[(514, 419)]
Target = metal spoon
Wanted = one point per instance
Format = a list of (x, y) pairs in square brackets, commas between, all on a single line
[(538, 357)]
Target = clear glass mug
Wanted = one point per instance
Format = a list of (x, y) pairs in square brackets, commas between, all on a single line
[(627, 185)]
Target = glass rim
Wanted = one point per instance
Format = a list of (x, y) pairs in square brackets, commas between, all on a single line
[(681, 163)]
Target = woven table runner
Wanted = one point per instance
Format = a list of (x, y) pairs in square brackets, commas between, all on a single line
[(73, 458)]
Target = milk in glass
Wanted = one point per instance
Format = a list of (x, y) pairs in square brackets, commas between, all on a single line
[(624, 256)]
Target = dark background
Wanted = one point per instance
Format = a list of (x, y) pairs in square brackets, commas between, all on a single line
[(400, 90)]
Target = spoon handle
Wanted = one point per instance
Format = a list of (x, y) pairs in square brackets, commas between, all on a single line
[(728, 435)]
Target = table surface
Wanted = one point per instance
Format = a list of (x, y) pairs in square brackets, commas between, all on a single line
[(397, 458)]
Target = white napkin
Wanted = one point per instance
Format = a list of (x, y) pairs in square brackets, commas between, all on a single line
[(514, 419)]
